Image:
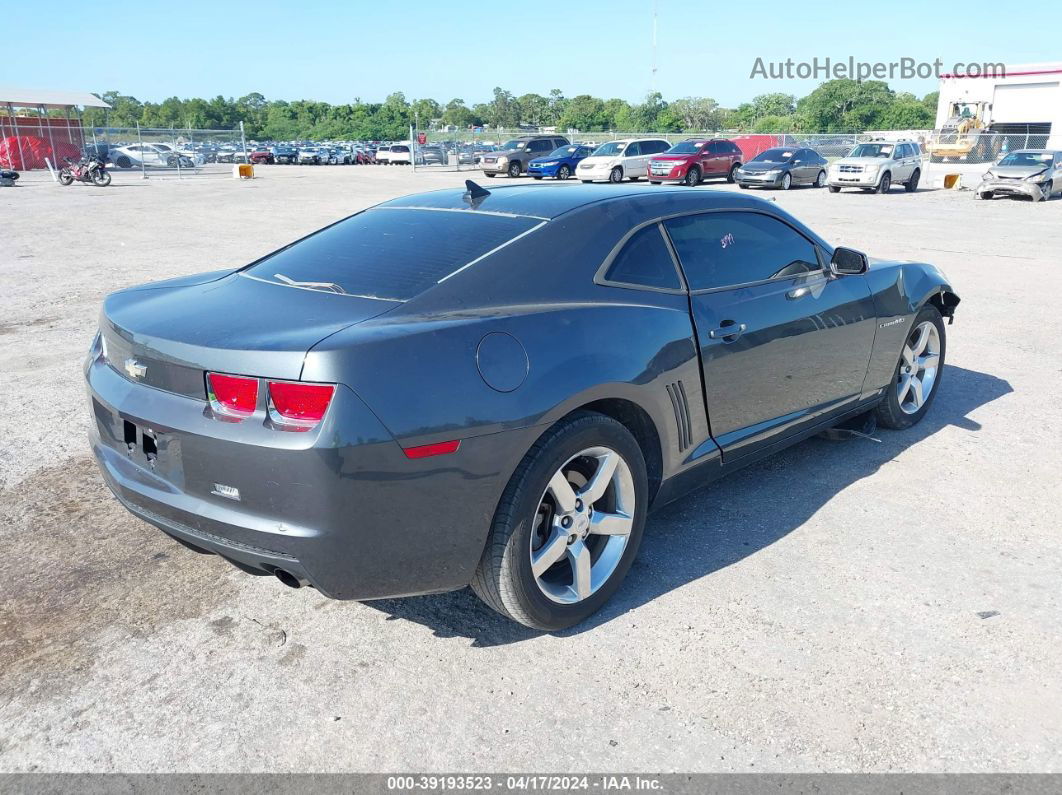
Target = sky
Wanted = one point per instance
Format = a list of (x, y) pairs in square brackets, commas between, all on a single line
[(339, 50)]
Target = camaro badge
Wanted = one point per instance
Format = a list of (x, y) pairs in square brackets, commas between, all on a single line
[(135, 369)]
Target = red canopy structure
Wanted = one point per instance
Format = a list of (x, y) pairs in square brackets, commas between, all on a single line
[(26, 140)]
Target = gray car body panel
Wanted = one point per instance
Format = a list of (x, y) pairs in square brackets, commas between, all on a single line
[(492, 355)]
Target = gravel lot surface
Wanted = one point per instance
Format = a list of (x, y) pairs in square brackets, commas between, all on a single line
[(844, 606)]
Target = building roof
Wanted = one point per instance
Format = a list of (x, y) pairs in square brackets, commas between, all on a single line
[(34, 97), (1015, 70)]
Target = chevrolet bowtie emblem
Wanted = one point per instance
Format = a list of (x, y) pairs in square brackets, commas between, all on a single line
[(135, 369)]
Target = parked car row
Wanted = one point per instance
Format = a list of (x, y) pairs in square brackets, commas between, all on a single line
[(874, 166)]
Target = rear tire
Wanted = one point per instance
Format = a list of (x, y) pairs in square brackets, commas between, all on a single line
[(834, 189), (919, 369), (66, 178), (912, 184), (488, 175), (820, 180), (651, 182), (123, 162), (101, 179), (730, 177), (525, 526)]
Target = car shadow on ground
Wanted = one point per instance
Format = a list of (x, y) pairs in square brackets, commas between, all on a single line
[(727, 521)]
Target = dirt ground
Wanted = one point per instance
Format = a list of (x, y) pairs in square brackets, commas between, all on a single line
[(844, 606)]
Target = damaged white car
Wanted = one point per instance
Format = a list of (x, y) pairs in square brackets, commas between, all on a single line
[(1036, 173)]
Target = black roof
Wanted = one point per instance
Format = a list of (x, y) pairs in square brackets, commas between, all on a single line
[(550, 201)]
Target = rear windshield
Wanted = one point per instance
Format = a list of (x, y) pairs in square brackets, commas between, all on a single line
[(391, 254)]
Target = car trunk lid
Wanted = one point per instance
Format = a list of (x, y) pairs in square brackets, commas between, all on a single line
[(167, 337)]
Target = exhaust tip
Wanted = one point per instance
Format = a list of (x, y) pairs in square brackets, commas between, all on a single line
[(287, 578)]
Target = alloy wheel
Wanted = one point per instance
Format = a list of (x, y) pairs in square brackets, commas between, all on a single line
[(582, 525), (919, 362), (820, 181), (564, 172), (787, 181)]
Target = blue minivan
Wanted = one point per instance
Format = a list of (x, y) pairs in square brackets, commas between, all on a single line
[(560, 163)]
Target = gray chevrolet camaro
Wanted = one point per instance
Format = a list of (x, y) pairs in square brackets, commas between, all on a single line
[(493, 389)]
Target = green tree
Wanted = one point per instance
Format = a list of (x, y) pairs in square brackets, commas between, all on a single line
[(584, 113), (696, 113), (534, 109), (845, 105)]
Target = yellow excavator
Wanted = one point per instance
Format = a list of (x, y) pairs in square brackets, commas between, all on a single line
[(961, 132)]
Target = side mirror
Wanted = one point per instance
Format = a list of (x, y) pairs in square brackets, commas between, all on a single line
[(848, 262)]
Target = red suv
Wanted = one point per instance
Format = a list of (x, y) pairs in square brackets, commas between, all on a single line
[(695, 159)]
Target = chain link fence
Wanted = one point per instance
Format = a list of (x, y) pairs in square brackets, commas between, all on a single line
[(976, 146), (176, 152), (458, 150)]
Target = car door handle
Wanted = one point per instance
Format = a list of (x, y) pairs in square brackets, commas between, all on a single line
[(728, 331)]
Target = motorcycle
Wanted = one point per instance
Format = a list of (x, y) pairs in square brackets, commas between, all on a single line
[(91, 170)]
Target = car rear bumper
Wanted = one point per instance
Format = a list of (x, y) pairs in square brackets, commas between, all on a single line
[(340, 507), (1011, 187)]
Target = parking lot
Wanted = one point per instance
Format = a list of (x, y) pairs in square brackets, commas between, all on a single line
[(854, 605)]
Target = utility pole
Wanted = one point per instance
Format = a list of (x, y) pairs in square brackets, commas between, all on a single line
[(652, 76)]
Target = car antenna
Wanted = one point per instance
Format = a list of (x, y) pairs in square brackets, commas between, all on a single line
[(474, 194)]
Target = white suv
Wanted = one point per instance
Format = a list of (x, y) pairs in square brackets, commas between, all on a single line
[(617, 160), (876, 166)]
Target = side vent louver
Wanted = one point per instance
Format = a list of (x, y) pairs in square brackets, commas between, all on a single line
[(677, 393)]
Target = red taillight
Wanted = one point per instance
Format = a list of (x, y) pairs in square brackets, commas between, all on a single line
[(233, 394), (439, 448), (300, 406)]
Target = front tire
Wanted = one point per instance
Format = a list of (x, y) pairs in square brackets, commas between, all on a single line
[(563, 173), (787, 181), (616, 175), (66, 178), (514, 170), (886, 183), (918, 372), (693, 177), (568, 525)]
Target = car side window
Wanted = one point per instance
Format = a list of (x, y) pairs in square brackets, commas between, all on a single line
[(633, 150), (645, 260), (731, 248)]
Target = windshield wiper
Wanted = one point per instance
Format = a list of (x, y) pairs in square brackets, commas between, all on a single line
[(331, 287)]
